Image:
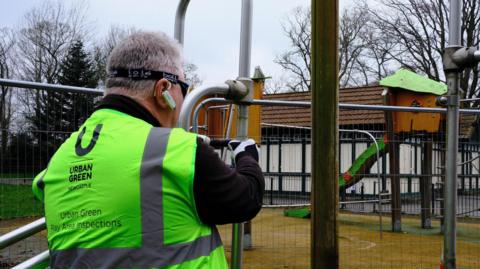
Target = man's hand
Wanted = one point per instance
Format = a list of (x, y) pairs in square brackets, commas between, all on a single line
[(248, 147)]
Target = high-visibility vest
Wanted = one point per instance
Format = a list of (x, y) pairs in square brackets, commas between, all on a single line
[(118, 193)]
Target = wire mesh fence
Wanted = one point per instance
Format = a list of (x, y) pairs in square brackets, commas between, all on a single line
[(40, 121), (411, 163)]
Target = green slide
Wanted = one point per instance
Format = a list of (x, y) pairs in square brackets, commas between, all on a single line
[(362, 164), (355, 173)]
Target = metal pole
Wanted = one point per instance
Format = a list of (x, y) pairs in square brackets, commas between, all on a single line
[(451, 173), (452, 141), (44, 86), (179, 28), (245, 39), (242, 119), (39, 261), (202, 105), (229, 128), (324, 60), (238, 228), (22, 233), (231, 88)]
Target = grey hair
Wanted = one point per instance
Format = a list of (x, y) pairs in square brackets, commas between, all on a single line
[(148, 50)]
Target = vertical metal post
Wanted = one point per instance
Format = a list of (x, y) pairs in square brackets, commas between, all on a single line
[(452, 141), (245, 39), (451, 171), (179, 28), (324, 87), (242, 119)]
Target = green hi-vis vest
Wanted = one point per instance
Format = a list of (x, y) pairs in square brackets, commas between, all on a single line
[(119, 194)]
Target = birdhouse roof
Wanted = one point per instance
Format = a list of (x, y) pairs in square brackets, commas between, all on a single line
[(410, 81)]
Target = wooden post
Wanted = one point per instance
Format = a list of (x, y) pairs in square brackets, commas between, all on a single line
[(394, 160), (396, 202), (324, 60), (425, 185)]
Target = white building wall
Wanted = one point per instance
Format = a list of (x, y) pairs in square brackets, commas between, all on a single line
[(291, 161)]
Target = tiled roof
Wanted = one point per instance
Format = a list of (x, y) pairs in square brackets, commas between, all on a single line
[(365, 95), (302, 117)]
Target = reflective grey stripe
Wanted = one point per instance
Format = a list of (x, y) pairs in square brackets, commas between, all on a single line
[(153, 252)]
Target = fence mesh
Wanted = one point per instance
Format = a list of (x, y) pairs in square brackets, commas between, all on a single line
[(41, 121), (280, 234)]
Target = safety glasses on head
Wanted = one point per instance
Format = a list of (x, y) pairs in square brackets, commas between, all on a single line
[(144, 74)]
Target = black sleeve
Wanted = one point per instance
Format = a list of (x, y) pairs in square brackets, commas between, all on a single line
[(223, 194)]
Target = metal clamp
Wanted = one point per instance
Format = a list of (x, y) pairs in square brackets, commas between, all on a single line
[(457, 58), (239, 90), (449, 65)]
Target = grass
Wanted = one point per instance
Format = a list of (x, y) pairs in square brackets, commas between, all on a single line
[(284, 242), (18, 201)]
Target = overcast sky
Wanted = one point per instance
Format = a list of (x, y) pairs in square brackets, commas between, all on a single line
[(212, 28)]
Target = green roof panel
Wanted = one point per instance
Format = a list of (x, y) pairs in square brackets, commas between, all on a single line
[(411, 81)]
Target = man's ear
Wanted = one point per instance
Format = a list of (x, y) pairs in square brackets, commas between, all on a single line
[(160, 86)]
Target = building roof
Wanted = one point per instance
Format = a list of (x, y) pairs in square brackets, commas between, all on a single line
[(301, 117)]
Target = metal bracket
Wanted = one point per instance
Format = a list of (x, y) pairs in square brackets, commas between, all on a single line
[(240, 90), (465, 57), (449, 65), (457, 58)]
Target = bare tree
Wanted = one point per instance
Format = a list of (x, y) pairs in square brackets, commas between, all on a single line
[(191, 75), (297, 60), (278, 84), (48, 31), (7, 42), (103, 48), (376, 61), (419, 28), (353, 70)]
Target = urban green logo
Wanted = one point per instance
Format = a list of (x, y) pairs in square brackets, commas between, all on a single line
[(81, 151)]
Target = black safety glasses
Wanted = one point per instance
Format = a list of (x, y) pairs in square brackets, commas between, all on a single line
[(144, 74)]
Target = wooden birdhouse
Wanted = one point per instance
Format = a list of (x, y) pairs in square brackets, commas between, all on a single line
[(405, 88)]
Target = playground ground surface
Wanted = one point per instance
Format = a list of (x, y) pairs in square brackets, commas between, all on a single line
[(284, 242)]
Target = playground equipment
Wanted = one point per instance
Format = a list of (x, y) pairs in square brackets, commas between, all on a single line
[(324, 221)]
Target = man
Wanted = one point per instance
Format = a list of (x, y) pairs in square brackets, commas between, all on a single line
[(127, 190)]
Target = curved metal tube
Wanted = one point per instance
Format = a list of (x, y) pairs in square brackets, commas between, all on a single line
[(179, 28), (35, 262), (22, 233), (193, 98), (196, 112)]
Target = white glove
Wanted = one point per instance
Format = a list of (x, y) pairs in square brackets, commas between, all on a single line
[(248, 147)]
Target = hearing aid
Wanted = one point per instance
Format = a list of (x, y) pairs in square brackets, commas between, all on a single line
[(168, 97)]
